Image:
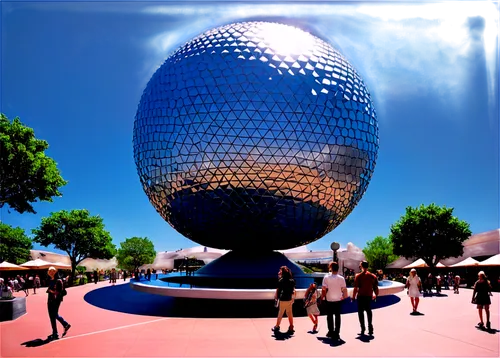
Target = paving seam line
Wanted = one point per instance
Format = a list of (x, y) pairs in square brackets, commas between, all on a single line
[(455, 339)]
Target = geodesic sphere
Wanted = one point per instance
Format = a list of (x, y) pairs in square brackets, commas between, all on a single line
[(255, 135)]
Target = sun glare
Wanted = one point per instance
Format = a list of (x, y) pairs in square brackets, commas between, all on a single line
[(286, 41)]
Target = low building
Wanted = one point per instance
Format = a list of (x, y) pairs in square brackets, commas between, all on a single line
[(165, 260), (479, 246), (89, 263)]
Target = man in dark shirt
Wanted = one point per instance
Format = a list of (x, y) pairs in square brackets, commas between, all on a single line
[(366, 289), (55, 295)]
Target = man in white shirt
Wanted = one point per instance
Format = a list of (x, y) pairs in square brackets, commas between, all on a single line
[(334, 290)]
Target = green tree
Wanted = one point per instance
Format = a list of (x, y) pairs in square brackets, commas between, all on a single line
[(135, 252), (379, 253), (15, 246), (77, 233), (429, 232), (27, 175)]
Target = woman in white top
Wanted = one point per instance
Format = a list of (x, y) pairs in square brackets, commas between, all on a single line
[(414, 286)]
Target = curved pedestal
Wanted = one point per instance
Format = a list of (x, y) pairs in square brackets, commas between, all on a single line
[(162, 288), (12, 309)]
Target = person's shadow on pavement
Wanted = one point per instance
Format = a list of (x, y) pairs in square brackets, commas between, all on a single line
[(364, 338), (490, 330), (331, 342), (36, 342), (280, 336)]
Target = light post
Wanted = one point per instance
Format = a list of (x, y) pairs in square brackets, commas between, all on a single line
[(335, 246)]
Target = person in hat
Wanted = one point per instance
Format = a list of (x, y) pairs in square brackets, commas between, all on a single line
[(414, 286)]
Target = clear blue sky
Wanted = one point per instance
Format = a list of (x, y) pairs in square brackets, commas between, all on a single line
[(75, 73)]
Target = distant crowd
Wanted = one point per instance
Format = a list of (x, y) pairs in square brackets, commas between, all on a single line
[(19, 283)]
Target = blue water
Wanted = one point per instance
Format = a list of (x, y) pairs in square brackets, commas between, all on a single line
[(385, 283)]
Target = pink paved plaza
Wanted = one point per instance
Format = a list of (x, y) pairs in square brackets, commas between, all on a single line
[(446, 329)]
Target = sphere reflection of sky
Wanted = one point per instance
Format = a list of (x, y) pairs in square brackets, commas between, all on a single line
[(229, 120)]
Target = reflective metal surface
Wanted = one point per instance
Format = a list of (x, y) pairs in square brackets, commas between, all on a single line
[(255, 135)]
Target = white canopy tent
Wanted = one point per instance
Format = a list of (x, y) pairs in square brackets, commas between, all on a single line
[(61, 266), (468, 262), (37, 264), (492, 261), (420, 263), (7, 266)]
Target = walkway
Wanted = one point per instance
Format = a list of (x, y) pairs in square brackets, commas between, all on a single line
[(447, 328)]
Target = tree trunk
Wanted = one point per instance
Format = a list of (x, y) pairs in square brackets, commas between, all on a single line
[(73, 270)]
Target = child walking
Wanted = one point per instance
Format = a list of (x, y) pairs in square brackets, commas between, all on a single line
[(311, 305)]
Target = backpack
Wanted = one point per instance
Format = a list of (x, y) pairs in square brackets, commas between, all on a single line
[(60, 283)]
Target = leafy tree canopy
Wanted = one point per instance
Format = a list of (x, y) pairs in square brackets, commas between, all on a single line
[(429, 232), (27, 175), (379, 253), (77, 233), (135, 252), (15, 246)]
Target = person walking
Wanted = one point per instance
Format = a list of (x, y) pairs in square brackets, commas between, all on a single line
[(414, 286), (22, 285), (481, 297), (334, 290), (36, 284), (311, 305), (55, 292), (29, 281), (365, 290), (112, 276), (438, 284), (456, 284), (285, 293), (96, 277), (446, 282)]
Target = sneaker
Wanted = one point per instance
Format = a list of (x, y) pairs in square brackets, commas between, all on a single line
[(276, 328), (488, 325), (329, 334), (66, 329), (53, 337), (290, 329), (370, 330), (480, 325)]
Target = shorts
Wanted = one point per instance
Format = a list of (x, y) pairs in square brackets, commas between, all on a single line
[(285, 306)]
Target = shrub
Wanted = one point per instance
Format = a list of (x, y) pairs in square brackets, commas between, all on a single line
[(306, 269)]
